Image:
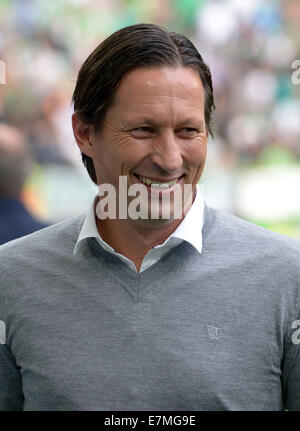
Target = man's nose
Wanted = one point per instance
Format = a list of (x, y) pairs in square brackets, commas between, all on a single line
[(167, 152)]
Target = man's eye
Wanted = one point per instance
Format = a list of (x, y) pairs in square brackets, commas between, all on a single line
[(188, 131), (140, 132), (144, 129)]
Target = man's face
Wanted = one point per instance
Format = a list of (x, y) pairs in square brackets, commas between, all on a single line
[(154, 130)]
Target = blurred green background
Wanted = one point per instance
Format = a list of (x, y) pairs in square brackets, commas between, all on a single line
[(253, 166)]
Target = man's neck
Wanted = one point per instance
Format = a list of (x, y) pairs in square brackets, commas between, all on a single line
[(134, 240)]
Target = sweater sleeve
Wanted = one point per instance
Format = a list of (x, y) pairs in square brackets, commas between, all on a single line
[(11, 394)]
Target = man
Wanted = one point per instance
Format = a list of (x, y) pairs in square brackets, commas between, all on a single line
[(15, 166), (163, 313)]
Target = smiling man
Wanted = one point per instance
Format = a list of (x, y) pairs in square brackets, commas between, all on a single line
[(153, 133), (196, 310)]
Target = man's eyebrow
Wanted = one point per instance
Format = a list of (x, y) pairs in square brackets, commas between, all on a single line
[(141, 120), (193, 121), (149, 121)]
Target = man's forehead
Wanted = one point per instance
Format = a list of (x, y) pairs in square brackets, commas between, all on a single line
[(171, 79)]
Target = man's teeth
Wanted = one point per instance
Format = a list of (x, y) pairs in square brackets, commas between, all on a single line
[(158, 184)]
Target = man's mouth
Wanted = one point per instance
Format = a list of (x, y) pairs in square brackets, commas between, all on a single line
[(158, 184)]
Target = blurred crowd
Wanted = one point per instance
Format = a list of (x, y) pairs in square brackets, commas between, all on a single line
[(249, 46)]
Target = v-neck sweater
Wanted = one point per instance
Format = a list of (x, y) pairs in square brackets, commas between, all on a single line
[(209, 331)]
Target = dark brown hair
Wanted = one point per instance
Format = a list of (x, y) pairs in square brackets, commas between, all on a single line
[(139, 45)]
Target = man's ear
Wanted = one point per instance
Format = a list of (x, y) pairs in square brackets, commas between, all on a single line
[(83, 135)]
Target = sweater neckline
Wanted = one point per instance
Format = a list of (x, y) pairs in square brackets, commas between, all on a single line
[(173, 263)]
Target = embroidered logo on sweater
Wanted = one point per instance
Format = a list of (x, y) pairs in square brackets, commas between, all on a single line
[(214, 333), (2, 332)]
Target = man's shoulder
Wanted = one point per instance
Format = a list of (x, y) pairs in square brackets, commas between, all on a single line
[(253, 254), (233, 230), (58, 235)]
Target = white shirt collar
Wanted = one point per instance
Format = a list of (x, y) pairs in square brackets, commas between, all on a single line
[(190, 229)]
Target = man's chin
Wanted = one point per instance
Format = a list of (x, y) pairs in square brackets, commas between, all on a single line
[(154, 222), (160, 208)]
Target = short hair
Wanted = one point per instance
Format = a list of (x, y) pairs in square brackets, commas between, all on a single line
[(139, 45)]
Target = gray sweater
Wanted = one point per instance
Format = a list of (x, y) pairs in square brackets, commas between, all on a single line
[(192, 332)]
